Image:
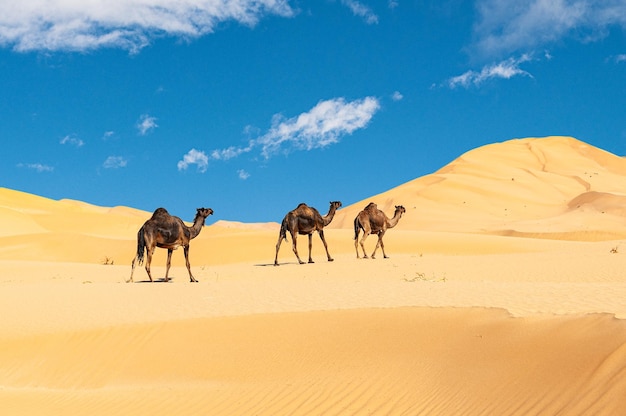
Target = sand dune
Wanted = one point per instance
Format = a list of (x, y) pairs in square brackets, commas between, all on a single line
[(503, 294), (519, 185)]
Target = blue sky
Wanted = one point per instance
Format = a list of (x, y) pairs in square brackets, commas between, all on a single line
[(253, 106)]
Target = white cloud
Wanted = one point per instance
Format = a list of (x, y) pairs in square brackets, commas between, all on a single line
[(38, 167), (194, 157), (620, 58), (72, 140), (362, 11), (243, 175), (231, 152), (397, 96), (319, 127), (130, 24), (107, 135), (114, 162), (146, 124), (323, 125), (505, 27), (506, 69)]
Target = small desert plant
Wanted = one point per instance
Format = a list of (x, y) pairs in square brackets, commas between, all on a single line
[(614, 250), (107, 261)]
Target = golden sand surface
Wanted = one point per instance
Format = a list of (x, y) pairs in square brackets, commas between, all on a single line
[(503, 294)]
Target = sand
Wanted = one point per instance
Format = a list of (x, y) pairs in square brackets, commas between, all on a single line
[(503, 294)]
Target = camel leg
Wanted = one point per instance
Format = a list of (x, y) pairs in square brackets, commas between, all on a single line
[(356, 244), (382, 247), (132, 270), (186, 250), (379, 243), (295, 247), (310, 247), (148, 261), (321, 233), (168, 264), (280, 240), (139, 256), (365, 234)]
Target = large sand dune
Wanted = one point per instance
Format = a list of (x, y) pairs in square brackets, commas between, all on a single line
[(535, 187), (503, 294)]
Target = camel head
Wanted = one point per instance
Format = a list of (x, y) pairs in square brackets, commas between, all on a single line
[(203, 213), (400, 209), (335, 204)]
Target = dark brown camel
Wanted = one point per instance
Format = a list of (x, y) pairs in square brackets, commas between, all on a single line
[(373, 221), (305, 220), (166, 231)]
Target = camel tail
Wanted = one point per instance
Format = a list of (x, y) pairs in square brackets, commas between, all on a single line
[(283, 230), (141, 245), (357, 226)]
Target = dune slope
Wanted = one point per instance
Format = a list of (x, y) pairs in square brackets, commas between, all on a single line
[(557, 187)]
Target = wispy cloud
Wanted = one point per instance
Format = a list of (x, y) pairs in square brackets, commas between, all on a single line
[(146, 124), (72, 140), (130, 24), (506, 69), (506, 27), (619, 58), (361, 10), (397, 96), (243, 175), (231, 152), (115, 162), (194, 157), (319, 127), (37, 167), (107, 135)]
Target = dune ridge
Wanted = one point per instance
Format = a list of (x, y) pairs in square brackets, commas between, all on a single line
[(503, 294)]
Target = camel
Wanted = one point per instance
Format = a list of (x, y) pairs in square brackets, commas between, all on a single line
[(305, 220), (373, 221), (166, 231)]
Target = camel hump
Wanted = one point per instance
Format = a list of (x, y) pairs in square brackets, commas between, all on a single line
[(304, 210), (371, 206), (159, 212)]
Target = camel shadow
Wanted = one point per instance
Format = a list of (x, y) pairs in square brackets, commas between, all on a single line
[(161, 280), (273, 265)]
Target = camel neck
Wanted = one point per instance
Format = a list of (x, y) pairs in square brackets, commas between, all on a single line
[(329, 217), (394, 221), (198, 223)]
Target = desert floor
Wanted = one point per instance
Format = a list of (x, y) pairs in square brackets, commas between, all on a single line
[(449, 324)]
